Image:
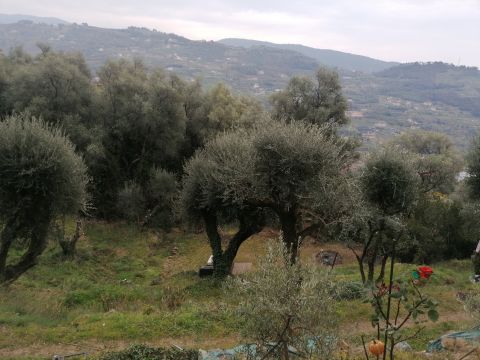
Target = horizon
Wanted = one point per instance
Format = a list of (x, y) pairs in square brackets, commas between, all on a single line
[(388, 30)]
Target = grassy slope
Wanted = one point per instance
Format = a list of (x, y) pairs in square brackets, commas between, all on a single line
[(104, 299)]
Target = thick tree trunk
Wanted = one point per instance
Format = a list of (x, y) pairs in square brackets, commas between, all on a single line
[(9, 233), (37, 244), (223, 260), (215, 240), (288, 222)]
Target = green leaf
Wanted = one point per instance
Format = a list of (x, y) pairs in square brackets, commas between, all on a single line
[(414, 314), (433, 315)]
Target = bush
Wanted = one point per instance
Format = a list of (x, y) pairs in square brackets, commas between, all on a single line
[(439, 229), (288, 305), (161, 190), (131, 202), (152, 203), (143, 352), (349, 290)]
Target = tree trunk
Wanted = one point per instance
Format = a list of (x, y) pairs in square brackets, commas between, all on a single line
[(37, 244), (285, 354), (360, 261), (381, 276), (9, 234), (362, 269), (288, 222), (371, 261), (250, 224), (69, 245), (215, 240)]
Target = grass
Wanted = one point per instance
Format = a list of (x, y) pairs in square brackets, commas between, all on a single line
[(125, 286)]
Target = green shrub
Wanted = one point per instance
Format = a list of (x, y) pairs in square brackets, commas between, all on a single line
[(349, 290), (143, 352)]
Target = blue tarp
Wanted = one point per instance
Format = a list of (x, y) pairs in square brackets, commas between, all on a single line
[(472, 335)]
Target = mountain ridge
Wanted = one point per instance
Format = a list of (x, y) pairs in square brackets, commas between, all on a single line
[(14, 18), (327, 57)]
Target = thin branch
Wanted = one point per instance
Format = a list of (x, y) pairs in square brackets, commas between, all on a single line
[(354, 252), (380, 309), (412, 336), (365, 348), (398, 311), (311, 229), (468, 354), (280, 338), (410, 313)]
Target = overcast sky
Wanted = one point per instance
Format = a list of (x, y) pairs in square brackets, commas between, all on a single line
[(401, 30)]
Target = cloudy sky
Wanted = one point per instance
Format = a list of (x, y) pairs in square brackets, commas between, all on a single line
[(401, 30)]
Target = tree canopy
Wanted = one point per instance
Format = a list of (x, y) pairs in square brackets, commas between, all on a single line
[(41, 177), (318, 101), (435, 158), (291, 169)]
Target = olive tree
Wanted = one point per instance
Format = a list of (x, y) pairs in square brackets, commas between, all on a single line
[(55, 86), (41, 177), (206, 198), (213, 112), (144, 129), (294, 170), (297, 171), (284, 305), (317, 101), (435, 159), (389, 187), (152, 204)]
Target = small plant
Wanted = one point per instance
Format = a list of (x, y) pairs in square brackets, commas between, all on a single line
[(349, 290), (287, 308), (142, 352), (173, 298), (394, 305)]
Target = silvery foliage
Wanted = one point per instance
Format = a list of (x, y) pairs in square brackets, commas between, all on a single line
[(287, 304)]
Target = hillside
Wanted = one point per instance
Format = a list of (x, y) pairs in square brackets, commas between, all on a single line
[(331, 58), (245, 69), (127, 286), (430, 96)]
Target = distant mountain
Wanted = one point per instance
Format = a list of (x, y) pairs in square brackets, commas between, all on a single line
[(257, 70), (438, 82), (326, 57), (383, 100), (13, 18)]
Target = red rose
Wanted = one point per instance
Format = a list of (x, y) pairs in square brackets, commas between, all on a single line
[(425, 271)]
